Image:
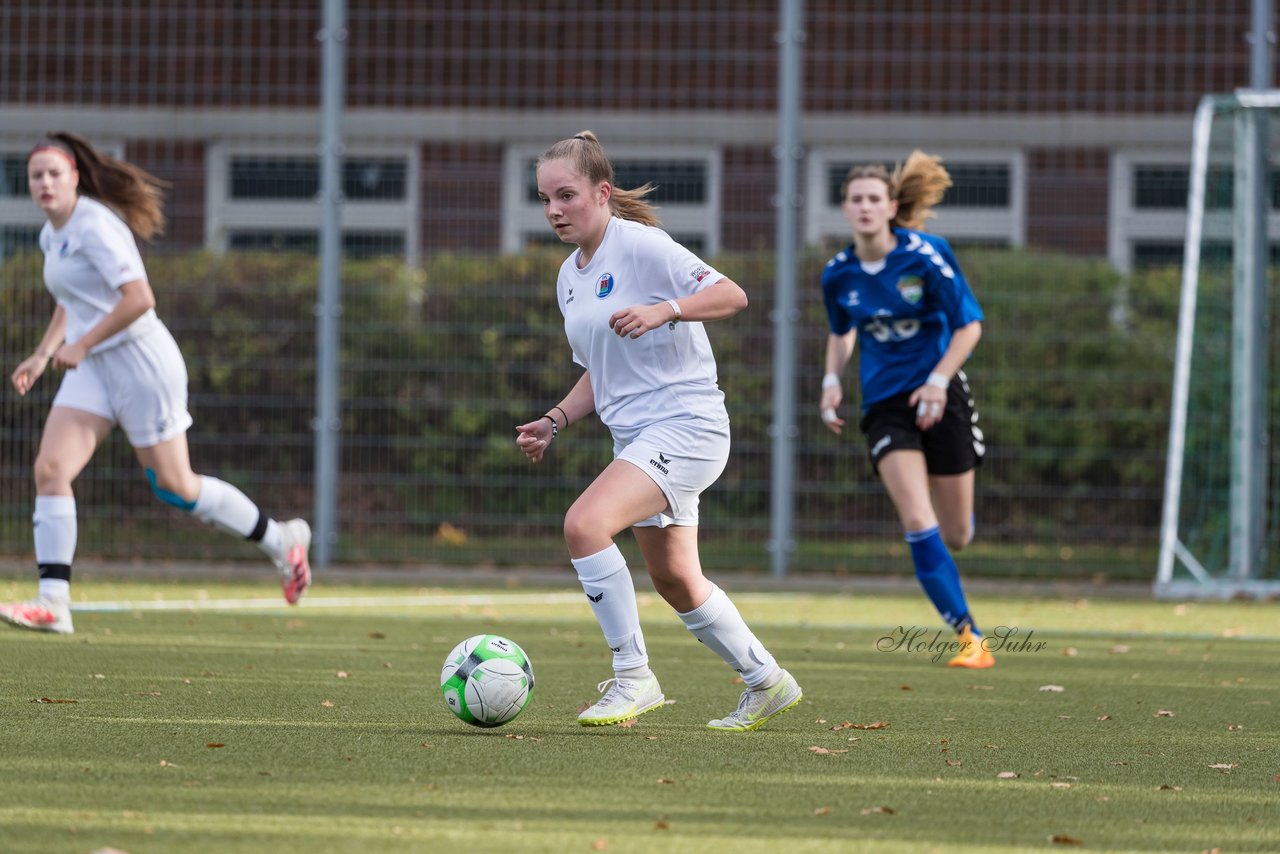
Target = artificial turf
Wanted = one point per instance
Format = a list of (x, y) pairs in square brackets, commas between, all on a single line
[(1120, 725)]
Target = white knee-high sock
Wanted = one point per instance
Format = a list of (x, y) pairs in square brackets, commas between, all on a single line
[(612, 594), (717, 623), (53, 527), (226, 507)]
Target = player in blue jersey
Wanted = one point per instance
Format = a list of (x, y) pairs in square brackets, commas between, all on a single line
[(898, 294)]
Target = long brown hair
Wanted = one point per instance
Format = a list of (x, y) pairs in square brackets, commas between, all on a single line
[(587, 155), (916, 186), (134, 193)]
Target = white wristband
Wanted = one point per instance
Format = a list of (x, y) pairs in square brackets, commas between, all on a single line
[(675, 306), (938, 380), (831, 381)]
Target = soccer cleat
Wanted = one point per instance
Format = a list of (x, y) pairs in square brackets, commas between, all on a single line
[(624, 699), (757, 706), (295, 569), (973, 652), (40, 614)]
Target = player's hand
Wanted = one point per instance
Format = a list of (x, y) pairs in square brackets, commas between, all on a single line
[(831, 398), (26, 374), (534, 438), (930, 402), (636, 320), (70, 356)]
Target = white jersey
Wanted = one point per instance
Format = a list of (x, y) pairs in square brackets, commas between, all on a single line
[(85, 263), (667, 373)]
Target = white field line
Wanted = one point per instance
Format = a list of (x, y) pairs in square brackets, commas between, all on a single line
[(310, 603), (454, 600)]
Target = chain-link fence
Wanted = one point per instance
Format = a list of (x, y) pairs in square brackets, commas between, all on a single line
[(1066, 127)]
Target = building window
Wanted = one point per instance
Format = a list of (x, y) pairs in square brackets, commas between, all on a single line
[(251, 192), (983, 207), (1148, 215), (13, 176), (686, 191)]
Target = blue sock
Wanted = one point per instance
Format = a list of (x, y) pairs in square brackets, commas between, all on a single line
[(939, 577)]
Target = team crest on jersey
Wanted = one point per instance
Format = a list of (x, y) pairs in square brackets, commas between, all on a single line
[(604, 285), (911, 289), (64, 248)]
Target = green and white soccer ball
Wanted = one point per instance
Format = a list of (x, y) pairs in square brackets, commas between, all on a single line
[(487, 680)]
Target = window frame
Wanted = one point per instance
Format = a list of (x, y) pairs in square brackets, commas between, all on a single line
[(224, 214), (521, 218), (955, 223)]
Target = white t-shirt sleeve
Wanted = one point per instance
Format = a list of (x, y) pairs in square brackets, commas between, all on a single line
[(686, 272), (109, 246)]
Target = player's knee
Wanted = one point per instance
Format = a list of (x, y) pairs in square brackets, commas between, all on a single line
[(51, 474), (170, 492), (956, 538)]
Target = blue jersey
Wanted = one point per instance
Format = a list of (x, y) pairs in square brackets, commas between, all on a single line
[(904, 307)]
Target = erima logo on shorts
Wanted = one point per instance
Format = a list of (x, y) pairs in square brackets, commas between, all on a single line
[(881, 445), (661, 463)]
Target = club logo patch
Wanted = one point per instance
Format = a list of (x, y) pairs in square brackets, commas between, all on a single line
[(64, 249), (604, 285), (911, 289)]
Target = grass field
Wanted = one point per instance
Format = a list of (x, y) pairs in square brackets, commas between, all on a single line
[(204, 717)]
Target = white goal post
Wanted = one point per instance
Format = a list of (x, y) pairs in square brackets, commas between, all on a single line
[(1238, 556)]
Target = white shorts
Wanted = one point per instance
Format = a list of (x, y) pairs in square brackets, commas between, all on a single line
[(140, 384), (683, 458)]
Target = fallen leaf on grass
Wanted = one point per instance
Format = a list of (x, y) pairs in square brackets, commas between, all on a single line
[(1224, 767), (661, 824), (1104, 717), (1063, 839), (981, 687), (663, 781), (1119, 649), (377, 636), (514, 736), (165, 763), (1070, 652), (1056, 689), (1057, 785), (1234, 727), (952, 763), (215, 744), (1163, 713), (328, 704), (54, 700), (628, 723), (873, 725), (264, 773), (1008, 775), (425, 745), (1165, 787), (906, 688), (822, 811), (878, 811), (650, 738), (341, 674), (600, 845)]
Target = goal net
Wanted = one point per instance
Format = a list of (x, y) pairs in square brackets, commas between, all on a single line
[(1220, 532)]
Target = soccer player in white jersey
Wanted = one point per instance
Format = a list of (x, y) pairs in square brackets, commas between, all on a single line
[(919, 321), (122, 367), (634, 303)]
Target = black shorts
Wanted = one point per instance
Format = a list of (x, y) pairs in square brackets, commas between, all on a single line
[(952, 446)]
